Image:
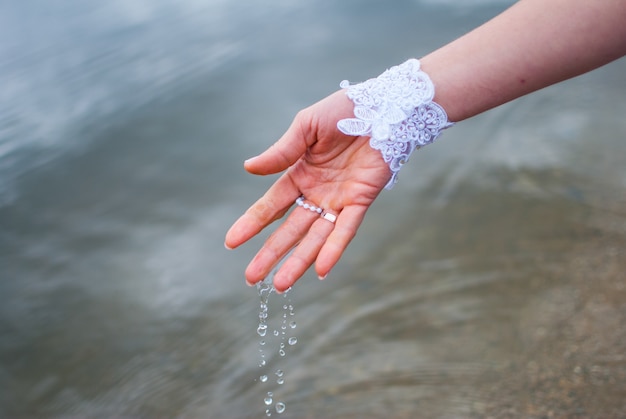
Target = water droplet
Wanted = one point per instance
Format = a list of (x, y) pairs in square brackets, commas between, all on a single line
[(280, 407), (265, 289)]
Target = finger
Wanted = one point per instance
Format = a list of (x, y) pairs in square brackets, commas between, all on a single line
[(279, 243), (270, 207), (286, 151), (345, 229), (303, 256)]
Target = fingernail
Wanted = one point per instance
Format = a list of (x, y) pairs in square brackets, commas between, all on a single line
[(323, 277), (249, 160), (250, 284), (227, 246)]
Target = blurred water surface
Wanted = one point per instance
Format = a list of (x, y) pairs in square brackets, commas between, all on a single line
[(490, 281)]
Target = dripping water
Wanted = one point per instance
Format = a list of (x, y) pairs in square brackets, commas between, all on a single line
[(277, 342)]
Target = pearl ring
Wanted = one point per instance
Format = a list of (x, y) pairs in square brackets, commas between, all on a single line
[(324, 214)]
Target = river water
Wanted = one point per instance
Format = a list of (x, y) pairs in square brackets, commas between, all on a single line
[(490, 282)]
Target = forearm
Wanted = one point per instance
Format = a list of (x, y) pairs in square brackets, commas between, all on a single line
[(534, 44)]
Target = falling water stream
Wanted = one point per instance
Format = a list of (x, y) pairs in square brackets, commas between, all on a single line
[(279, 341)]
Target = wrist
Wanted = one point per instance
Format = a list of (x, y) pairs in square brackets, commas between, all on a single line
[(396, 110), (460, 99)]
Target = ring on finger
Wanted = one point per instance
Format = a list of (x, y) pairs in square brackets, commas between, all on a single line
[(301, 202)]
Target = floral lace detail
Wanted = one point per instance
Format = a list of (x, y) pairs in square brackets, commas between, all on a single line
[(396, 110)]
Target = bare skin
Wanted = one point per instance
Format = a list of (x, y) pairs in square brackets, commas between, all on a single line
[(532, 45)]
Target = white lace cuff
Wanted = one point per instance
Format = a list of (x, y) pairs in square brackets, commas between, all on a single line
[(397, 111)]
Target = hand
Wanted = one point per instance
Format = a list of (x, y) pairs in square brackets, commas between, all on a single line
[(339, 173)]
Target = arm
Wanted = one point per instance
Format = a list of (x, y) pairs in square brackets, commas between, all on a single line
[(534, 44)]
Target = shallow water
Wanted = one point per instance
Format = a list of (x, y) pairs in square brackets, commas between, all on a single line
[(489, 282)]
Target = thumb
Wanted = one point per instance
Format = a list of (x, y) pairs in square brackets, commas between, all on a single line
[(286, 151)]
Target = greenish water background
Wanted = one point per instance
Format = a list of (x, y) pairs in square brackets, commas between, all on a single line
[(489, 282)]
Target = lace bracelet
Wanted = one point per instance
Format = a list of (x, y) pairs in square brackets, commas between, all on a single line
[(396, 110)]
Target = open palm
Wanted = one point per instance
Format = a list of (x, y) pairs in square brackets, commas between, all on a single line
[(339, 173)]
